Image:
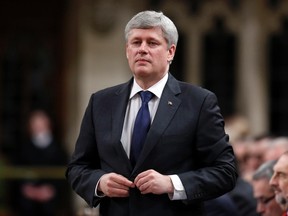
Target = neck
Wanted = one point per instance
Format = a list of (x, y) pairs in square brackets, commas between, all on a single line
[(146, 82)]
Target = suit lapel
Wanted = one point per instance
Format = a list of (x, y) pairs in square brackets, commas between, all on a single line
[(167, 108), (118, 110)]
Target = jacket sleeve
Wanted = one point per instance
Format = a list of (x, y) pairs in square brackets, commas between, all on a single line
[(217, 173), (83, 171)]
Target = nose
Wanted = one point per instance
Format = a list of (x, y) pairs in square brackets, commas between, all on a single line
[(142, 48), (272, 181)]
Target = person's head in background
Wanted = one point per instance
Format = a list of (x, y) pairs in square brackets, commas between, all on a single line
[(249, 153), (279, 180), (276, 148), (263, 192), (40, 128)]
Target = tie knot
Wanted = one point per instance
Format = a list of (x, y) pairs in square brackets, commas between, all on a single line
[(146, 96)]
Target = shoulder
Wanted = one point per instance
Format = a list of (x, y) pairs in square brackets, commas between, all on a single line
[(187, 88), (195, 92), (117, 89), (190, 93), (194, 88)]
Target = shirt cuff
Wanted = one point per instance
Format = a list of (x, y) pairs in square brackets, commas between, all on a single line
[(179, 190), (98, 193)]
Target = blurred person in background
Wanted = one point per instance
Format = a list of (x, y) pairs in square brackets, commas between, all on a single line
[(255, 155), (263, 192), (238, 127), (279, 180), (223, 205), (40, 196), (238, 202), (250, 153), (276, 148)]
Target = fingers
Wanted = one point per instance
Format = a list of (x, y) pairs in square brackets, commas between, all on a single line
[(146, 182), (114, 185), (142, 178), (151, 181)]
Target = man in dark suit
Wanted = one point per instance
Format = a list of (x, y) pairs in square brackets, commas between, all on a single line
[(185, 158)]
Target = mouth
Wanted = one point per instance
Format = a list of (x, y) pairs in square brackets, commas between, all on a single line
[(142, 60), (277, 192)]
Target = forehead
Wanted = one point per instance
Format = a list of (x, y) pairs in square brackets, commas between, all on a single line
[(154, 32), (282, 164)]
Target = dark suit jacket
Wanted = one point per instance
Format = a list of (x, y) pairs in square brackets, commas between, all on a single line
[(221, 206), (238, 202), (243, 197), (186, 138)]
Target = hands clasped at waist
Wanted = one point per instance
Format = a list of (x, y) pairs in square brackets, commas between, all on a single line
[(150, 181)]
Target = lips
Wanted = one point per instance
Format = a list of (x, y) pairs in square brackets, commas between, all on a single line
[(142, 60)]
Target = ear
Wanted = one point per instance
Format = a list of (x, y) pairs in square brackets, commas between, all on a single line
[(171, 53)]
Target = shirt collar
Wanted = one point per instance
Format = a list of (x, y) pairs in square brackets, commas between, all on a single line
[(156, 89)]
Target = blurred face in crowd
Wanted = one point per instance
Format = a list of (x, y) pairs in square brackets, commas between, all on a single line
[(264, 194), (148, 55), (39, 123), (276, 148), (279, 180)]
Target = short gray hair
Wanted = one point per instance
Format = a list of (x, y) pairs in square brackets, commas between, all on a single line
[(265, 171), (151, 19)]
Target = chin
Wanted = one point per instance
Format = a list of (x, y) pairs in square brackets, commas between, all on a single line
[(142, 73)]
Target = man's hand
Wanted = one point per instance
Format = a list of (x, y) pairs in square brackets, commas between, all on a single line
[(114, 185), (151, 181)]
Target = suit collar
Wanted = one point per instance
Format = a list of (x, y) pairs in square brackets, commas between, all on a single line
[(156, 89), (172, 84)]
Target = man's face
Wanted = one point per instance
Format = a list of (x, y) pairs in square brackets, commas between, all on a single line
[(148, 54), (266, 203), (279, 180)]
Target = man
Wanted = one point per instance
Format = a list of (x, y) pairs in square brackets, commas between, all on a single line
[(263, 192), (279, 180), (185, 157)]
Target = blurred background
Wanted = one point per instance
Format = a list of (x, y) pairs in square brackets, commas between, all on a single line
[(55, 53)]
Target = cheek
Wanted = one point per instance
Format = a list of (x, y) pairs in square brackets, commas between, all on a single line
[(161, 58), (284, 186), (130, 58), (130, 52)]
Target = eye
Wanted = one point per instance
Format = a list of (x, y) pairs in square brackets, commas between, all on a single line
[(282, 175), (136, 42), (153, 43)]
